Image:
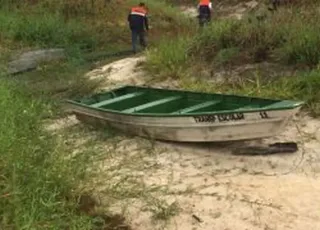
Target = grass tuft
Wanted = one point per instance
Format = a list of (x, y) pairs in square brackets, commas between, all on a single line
[(161, 210)]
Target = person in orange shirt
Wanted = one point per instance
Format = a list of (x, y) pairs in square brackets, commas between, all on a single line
[(138, 23), (204, 9)]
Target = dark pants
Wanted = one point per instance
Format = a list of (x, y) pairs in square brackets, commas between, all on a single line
[(204, 19), (134, 38)]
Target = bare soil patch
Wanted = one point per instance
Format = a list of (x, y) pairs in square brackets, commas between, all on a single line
[(162, 185)]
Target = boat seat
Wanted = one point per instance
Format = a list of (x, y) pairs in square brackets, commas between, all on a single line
[(116, 99), (151, 104), (196, 107)]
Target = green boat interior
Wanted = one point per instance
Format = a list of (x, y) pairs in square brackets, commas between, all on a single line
[(143, 100)]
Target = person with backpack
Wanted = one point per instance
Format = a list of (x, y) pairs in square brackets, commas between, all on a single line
[(138, 23)]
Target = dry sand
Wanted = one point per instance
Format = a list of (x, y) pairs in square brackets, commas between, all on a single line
[(203, 186), (123, 71)]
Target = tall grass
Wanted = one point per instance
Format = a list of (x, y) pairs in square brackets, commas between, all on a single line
[(303, 86), (302, 45), (86, 24), (168, 58), (36, 175), (44, 30), (283, 37), (289, 36)]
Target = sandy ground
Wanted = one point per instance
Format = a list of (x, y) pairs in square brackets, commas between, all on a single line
[(185, 186), (123, 71), (163, 185), (223, 190)]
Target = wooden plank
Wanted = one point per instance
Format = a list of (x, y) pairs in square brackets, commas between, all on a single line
[(151, 104), (116, 99), (196, 107)]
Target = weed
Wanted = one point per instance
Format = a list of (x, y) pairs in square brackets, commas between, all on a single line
[(225, 56), (160, 209), (168, 58)]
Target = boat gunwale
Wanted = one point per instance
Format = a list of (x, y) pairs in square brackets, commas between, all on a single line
[(294, 104), (193, 125), (180, 115)]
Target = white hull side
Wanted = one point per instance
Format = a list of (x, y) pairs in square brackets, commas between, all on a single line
[(190, 129)]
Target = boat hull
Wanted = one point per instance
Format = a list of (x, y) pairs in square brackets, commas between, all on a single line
[(205, 128)]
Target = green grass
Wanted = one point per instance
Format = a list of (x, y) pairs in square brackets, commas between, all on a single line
[(36, 175), (259, 41), (168, 58), (40, 178), (303, 86), (44, 30), (161, 210), (80, 24), (289, 37), (302, 45), (282, 37), (54, 82)]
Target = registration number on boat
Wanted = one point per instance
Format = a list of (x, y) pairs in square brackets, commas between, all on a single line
[(226, 117), (219, 117)]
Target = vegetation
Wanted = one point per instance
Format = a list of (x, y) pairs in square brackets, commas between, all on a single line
[(36, 177), (288, 36), (303, 86), (44, 30), (86, 24), (39, 175)]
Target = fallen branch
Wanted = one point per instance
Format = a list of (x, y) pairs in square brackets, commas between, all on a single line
[(278, 147)]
